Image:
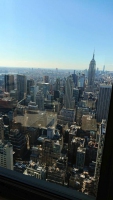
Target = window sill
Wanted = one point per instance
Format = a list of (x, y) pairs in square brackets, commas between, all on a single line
[(15, 185)]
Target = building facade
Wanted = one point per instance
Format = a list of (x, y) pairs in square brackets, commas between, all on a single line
[(80, 159), (6, 155), (91, 72), (103, 102), (40, 100), (30, 82), (9, 82), (33, 92), (1, 129), (102, 132), (75, 79), (69, 102), (21, 86), (19, 143)]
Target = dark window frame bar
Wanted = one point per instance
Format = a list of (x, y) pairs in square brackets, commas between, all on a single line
[(14, 185), (105, 186)]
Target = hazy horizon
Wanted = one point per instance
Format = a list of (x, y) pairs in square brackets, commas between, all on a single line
[(56, 34)]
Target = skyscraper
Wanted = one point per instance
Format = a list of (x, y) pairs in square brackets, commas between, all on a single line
[(6, 155), (33, 92), (75, 78), (1, 129), (9, 82), (91, 72), (80, 158), (40, 100), (57, 84), (102, 132), (30, 83), (69, 101), (81, 81), (103, 102), (21, 86), (76, 95), (19, 143)]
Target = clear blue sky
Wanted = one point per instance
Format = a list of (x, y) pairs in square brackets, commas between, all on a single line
[(56, 33)]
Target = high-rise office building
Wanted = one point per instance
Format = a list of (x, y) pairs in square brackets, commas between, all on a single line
[(69, 101), (21, 86), (46, 79), (13, 94), (102, 132), (81, 81), (75, 79), (80, 158), (33, 92), (6, 155), (76, 95), (9, 82), (40, 100), (57, 84), (30, 83), (103, 102), (56, 94), (1, 129), (46, 87), (6, 133), (91, 72), (19, 143)]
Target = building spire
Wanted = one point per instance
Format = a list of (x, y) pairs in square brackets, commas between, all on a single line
[(93, 54)]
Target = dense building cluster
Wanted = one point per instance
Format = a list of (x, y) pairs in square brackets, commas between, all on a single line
[(53, 124)]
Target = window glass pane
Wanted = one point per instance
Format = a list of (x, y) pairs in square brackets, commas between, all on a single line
[(55, 89)]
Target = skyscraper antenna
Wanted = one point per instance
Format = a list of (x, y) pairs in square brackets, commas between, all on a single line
[(94, 53)]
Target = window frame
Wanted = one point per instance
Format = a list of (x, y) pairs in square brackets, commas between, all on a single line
[(14, 185), (105, 186)]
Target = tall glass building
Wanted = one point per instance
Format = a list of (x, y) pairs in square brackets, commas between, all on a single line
[(91, 72)]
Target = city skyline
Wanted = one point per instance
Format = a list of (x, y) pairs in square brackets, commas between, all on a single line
[(53, 125), (56, 34)]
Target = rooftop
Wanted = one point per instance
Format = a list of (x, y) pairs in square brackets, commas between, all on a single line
[(33, 119)]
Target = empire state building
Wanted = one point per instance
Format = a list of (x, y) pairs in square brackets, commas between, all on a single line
[(91, 72)]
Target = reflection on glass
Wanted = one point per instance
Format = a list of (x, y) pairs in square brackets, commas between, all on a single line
[(51, 135), (53, 119)]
